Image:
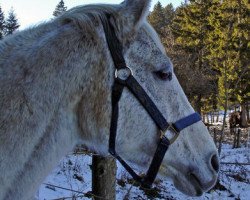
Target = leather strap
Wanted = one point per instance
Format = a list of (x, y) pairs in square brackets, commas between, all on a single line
[(146, 102), (154, 167), (116, 95), (115, 46)]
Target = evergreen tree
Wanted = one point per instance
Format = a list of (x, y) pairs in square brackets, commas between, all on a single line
[(157, 18), (166, 35), (60, 9), (2, 23), (229, 49), (238, 14), (190, 28), (11, 23), (161, 19), (169, 14)]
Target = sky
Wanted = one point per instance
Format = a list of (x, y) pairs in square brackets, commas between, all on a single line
[(30, 12)]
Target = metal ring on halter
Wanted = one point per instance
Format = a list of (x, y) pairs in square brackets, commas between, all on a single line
[(123, 73), (172, 130)]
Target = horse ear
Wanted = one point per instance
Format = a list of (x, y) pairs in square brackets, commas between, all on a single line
[(135, 12)]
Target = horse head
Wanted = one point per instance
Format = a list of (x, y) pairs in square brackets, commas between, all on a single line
[(191, 161)]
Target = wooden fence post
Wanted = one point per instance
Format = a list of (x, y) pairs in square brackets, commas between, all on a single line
[(238, 138), (233, 132), (215, 137), (103, 177)]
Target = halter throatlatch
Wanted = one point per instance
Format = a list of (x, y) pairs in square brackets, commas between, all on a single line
[(124, 78)]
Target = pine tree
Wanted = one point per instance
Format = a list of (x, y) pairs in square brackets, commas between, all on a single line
[(60, 9), (2, 23), (229, 49), (169, 14), (161, 19), (166, 34), (190, 28), (11, 23), (157, 18)]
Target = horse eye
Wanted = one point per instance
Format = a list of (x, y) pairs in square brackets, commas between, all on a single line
[(164, 75)]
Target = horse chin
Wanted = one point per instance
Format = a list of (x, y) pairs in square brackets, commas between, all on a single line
[(184, 183), (188, 186)]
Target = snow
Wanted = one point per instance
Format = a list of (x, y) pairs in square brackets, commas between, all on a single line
[(74, 173)]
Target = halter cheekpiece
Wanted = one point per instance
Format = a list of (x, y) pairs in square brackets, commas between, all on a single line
[(124, 78)]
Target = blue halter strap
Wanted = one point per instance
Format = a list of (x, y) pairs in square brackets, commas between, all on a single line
[(186, 121)]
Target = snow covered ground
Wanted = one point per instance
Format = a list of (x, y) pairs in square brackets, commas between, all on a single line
[(72, 180)]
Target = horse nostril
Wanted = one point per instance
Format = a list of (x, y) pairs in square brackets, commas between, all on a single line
[(215, 162)]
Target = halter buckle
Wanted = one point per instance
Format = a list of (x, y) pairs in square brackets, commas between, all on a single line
[(123, 73), (170, 133)]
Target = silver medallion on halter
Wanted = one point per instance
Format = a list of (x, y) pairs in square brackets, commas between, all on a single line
[(123, 73)]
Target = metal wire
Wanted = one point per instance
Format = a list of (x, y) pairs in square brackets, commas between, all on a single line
[(82, 193)]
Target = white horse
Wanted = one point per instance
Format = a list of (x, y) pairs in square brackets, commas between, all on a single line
[(55, 92)]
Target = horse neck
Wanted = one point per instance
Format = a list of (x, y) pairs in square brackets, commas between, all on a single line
[(51, 119), (58, 140)]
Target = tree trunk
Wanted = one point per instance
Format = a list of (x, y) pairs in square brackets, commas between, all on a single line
[(238, 139), (198, 104), (247, 110), (233, 132), (225, 107), (215, 137), (223, 126), (218, 115), (243, 116), (203, 118), (103, 178), (208, 118)]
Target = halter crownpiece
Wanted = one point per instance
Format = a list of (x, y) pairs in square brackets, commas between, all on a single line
[(124, 78)]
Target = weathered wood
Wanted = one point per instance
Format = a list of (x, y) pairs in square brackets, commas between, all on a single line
[(233, 132), (217, 116), (238, 138), (243, 116), (215, 137), (103, 177)]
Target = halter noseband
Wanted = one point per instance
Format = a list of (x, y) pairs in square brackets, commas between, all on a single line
[(124, 78)]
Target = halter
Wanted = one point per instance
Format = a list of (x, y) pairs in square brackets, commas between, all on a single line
[(124, 78)]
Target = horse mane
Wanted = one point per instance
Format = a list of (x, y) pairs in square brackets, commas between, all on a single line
[(83, 18), (87, 17)]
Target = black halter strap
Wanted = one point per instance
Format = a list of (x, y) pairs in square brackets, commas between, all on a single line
[(125, 78)]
